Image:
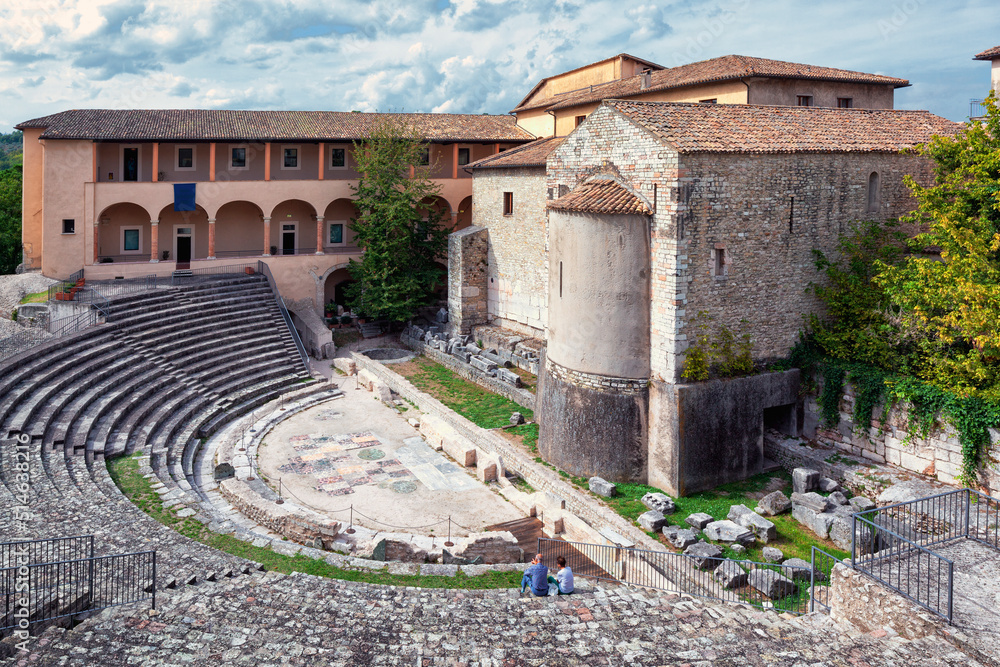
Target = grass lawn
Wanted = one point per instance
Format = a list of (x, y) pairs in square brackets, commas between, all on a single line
[(36, 297), (480, 406), (125, 473)]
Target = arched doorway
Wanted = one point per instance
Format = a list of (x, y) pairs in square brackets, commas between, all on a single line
[(293, 228), (463, 217), (334, 287), (183, 235), (239, 230), (123, 234)]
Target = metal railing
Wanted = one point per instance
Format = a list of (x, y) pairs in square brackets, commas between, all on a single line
[(100, 309), (263, 268), (38, 590), (123, 259), (64, 286), (244, 267), (713, 578), (110, 289), (822, 574)]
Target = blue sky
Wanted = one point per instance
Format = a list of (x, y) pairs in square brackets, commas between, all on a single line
[(462, 56)]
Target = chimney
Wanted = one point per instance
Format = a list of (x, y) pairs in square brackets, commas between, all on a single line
[(647, 76)]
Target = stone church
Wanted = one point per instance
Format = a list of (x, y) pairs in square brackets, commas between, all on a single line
[(608, 243)]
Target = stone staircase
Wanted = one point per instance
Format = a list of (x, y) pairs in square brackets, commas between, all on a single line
[(305, 620), (170, 368)]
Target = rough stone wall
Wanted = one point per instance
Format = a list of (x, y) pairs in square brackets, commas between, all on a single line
[(871, 607), (467, 265), (893, 442), (518, 273), (743, 205), (314, 532)]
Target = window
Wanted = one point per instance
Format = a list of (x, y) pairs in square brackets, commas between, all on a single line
[(131, 240), (338, 158), (463, 156), (508, 203), (720, 267), (845, 102), (714, 100), (290, 157), (238, 158), (579, 119), (873, 193), (425, 156), (69, 226), (805, 100), (336, 234), (185, 158)]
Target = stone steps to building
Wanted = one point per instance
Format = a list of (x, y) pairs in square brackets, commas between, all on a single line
[(184, 307)]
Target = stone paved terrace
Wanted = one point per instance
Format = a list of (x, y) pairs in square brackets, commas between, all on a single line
[(275, 619)]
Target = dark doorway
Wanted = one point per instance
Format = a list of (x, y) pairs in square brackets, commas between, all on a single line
[(130, 164), (183, 252), (340, 292), (288, 240), (782, 418)]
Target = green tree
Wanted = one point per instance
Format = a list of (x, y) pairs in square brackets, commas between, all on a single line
[(952, 305), (401, 235), (10, 219)]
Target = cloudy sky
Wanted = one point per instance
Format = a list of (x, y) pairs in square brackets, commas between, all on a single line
[(464, 56)]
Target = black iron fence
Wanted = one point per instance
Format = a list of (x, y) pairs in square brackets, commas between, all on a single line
[(36, 592), (822, 569), (784, 588)]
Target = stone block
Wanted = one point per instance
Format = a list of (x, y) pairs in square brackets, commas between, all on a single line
[(680, 538), (704, 556), (224, 471), (508, 377), (366, 378), (659, 502), (827, 485), (817, 522), (812, 500), (804, 480), (486, 471), (774, 503), (699, 520), (602, 487), (730, 575), (839, 498), (484, 365), (799, 570), (728, 531), (383, 391), (652, 520), (516, 419), (773, 555), (771, 584), (346, 364), (738, 549), (763, 530), (460, 449)]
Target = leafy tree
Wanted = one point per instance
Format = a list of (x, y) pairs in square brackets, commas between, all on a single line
[(401, 236), (10, 219)]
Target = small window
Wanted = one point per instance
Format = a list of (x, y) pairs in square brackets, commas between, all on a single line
[(290, 157), (508, 203), (720, 267), (336, 235), (338, 158), (579, 119), (185, 158), (714, 100), (238, 158), (131, 240), (873, 192), (463, 156), (69, 226), (805, 100), (845, 102), (425, 156)]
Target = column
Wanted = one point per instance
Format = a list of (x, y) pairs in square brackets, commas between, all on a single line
[(267, 236), (267, 161), (322, 152), (154, 241), (211, 238), (156, 162), (94, 159), (97, 239), (454, 161), (454, 220), (211, 162), (320, 224)]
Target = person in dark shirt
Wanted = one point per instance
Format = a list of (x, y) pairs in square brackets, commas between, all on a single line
[(536, 576)]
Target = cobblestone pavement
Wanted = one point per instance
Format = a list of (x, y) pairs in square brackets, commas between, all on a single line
[(274, 619)]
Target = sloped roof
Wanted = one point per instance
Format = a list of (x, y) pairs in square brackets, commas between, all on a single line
[(988, 54), (725, 68), (751, 128), (601, 196), (529, 155), (230, 125), (538, 85)]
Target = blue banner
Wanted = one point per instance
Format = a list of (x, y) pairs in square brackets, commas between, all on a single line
[(184, 197)]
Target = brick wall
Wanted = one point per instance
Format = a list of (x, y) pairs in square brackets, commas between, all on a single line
[(518, 273)]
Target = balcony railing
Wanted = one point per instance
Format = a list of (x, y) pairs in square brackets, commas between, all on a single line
[(228, 254)]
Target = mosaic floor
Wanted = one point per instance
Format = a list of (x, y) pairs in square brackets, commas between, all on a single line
[(339, 463)]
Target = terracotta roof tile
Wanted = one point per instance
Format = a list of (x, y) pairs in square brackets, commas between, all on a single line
[(601, 196), (988, 54), (745, 128), (230, 125), (725, 68), (529, 155)]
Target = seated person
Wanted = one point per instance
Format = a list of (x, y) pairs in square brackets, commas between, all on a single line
[(536, 576), (564, 578)]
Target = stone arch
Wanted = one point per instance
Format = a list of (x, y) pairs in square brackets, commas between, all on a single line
[(321, 280), (295, 217), (338, 212), (239, 229), (171, 220), (463, 216), (112, 222), (874, 187)]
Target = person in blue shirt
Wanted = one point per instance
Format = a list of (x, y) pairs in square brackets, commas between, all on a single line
[(536, 576), (564, 578)]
